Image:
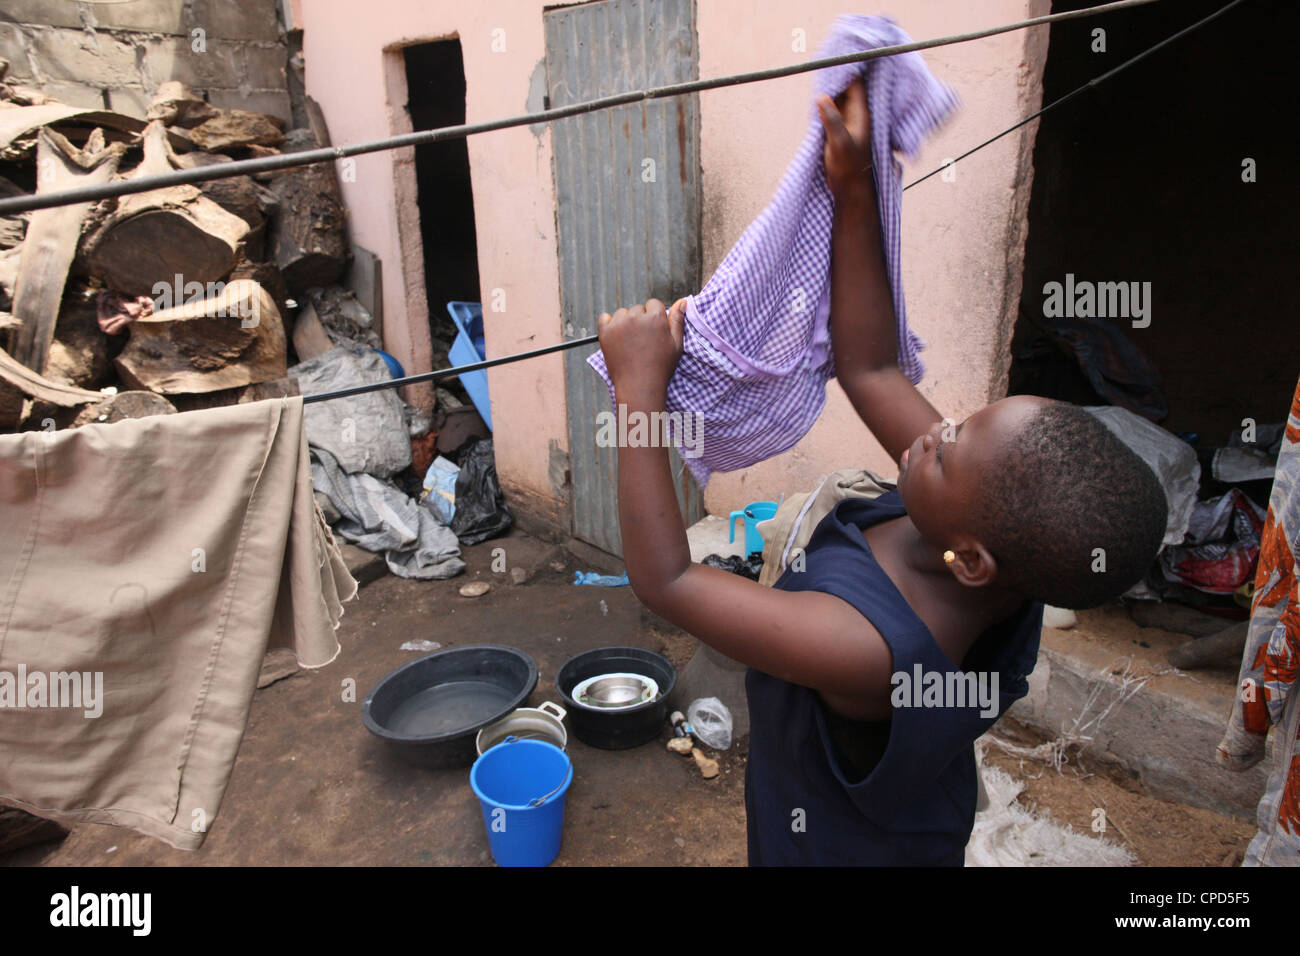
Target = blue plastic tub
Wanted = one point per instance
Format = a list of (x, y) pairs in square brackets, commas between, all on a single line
[(508, 779), (469, 348)]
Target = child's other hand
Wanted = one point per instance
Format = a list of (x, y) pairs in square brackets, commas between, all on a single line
[(848, 143), (643, 344)]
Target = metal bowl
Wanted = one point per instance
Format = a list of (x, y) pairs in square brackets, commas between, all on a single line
[(615, 691), (616, 728)]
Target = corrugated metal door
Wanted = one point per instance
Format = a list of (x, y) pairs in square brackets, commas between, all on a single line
[(627, 190)]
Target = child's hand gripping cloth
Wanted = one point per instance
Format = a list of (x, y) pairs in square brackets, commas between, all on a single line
[(757, 350)]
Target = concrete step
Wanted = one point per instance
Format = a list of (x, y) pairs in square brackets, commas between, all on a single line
[(1124, 703)]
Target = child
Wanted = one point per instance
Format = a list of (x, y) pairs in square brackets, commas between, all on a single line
[(914, 618)]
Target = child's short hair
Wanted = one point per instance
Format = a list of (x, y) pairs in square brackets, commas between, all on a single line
[(1074, 518)]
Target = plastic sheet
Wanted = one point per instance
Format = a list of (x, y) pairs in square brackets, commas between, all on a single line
[(481, 511)]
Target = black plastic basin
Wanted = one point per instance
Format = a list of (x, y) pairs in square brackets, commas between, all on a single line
[(430, 710), (616, 729)]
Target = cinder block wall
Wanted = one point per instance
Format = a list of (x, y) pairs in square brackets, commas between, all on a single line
[(117, 54)]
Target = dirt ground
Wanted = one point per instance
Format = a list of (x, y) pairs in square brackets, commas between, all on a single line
[(1158, 832), (311, 786)]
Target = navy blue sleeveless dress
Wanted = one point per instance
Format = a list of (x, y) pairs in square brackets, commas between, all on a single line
[(824, 790)]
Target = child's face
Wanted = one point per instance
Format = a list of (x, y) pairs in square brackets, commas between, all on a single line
[(941, 474)]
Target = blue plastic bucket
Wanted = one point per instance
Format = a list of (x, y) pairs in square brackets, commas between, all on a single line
[(521, 785)]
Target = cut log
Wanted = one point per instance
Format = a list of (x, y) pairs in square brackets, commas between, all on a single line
[(309, 337), (237, 129), (79, 352), (122, 406), (12, 227), (308, 235), (155, 236), (231, 339), (268, 277), (276, 388), (52, 237), (19, 126), (250, 201), (18, 382)]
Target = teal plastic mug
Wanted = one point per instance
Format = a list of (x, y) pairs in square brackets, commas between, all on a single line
[(750, 516)]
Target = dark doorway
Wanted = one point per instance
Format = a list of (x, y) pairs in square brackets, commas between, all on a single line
[(435, 83), (1141, 179)]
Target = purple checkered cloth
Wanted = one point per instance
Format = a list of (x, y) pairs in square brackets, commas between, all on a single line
[(757, 351)]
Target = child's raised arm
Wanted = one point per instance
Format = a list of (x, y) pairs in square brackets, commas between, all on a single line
[(805, 637), (864, 335)]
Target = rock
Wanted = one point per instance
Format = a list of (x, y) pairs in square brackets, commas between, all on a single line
[(475, 589), (424, 646), (520, 575), (237, 129), (681, 745), (708, 766), (122, 406), (558, 567)]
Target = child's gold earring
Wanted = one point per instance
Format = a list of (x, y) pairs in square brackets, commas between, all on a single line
[(949, 557)]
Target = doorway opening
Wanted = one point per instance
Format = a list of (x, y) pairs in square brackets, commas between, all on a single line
[(435, 83), (1146, 179), (1160, 250)]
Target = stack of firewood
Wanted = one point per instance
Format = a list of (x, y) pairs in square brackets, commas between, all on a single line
[(171, 299)]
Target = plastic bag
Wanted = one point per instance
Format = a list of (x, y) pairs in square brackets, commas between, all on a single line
[(747, 567), (601, 580), (711, 722), (439, 494), (481, 511), (1172, 459)]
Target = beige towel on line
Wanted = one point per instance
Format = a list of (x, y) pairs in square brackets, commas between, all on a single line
[(791, 528), (167, 554)]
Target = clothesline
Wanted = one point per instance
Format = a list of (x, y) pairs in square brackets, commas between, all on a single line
[(309, 157), (440, 374)]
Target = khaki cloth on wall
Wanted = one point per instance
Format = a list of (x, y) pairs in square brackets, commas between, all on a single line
[(790, 529), (167, 554)]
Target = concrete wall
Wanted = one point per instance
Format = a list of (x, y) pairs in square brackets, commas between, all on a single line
[(963, 241), (117, 54)]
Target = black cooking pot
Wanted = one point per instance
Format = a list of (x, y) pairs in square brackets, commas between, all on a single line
[(616, 729), (430, 710)]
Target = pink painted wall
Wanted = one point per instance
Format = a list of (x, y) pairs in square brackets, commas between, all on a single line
[(354, 71), (963, 240)]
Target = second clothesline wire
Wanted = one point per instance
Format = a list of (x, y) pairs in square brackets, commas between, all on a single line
[(441, 374)]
